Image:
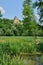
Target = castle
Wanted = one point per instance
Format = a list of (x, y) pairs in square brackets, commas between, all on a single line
[(17, 21)]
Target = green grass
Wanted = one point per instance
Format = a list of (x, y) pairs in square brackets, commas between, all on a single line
[(19, 44), (16, 45), (19, 39), (11, 47)]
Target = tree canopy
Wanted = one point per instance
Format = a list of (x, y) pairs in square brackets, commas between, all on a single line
[(27, 26), (39, 5)]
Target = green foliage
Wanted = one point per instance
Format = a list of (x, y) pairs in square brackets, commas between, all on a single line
[(17, 29), (7, 28), (11, 47), (40, 47), (9, 32), (0, 14), (17, 45), (39, 5), (27, 12), (30, 25)]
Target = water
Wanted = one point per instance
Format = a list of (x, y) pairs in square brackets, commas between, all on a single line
[(33, 60)]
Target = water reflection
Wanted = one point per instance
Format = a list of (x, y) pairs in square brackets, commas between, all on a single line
[(33, 60)]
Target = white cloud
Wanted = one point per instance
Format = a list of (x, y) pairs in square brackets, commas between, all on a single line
[(2, 10)]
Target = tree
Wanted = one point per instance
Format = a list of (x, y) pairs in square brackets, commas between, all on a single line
[(26, 15), (39, 5), (5, 27), (28, 18), (0, 14), (17, 29), (9, 32)]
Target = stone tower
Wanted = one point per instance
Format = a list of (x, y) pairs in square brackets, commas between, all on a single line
[(16, 20)]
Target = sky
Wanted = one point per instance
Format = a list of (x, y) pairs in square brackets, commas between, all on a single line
[(11, 8)]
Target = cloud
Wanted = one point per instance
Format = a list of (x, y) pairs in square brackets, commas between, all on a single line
[(2, 10)]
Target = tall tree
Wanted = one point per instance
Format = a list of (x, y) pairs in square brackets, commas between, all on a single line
[(26, 13), (28, 17), (39, 5)]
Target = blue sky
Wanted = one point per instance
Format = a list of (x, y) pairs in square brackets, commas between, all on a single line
[(12, 8)]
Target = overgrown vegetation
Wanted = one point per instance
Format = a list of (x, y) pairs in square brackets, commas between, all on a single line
[(39, 5), (30, 27), (16, 45), (7, 28), (11, 47)]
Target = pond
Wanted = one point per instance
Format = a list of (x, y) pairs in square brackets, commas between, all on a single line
[(33, 60)]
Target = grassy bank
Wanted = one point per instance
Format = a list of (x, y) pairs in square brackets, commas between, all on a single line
[(11, 47), (17, 45)]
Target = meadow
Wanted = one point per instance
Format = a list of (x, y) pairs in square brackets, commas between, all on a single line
[(20, 44), (11, 47)]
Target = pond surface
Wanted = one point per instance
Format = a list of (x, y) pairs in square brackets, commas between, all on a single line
[(33, 60)]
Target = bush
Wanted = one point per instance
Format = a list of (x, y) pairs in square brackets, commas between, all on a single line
[(9, 33), (40, 47)]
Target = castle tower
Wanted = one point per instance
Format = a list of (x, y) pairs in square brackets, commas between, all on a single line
[(16, 20)]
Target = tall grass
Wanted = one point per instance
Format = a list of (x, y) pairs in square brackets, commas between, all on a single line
[(11, 47)]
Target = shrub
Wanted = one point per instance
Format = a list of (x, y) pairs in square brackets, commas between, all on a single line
[(40, 47)]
